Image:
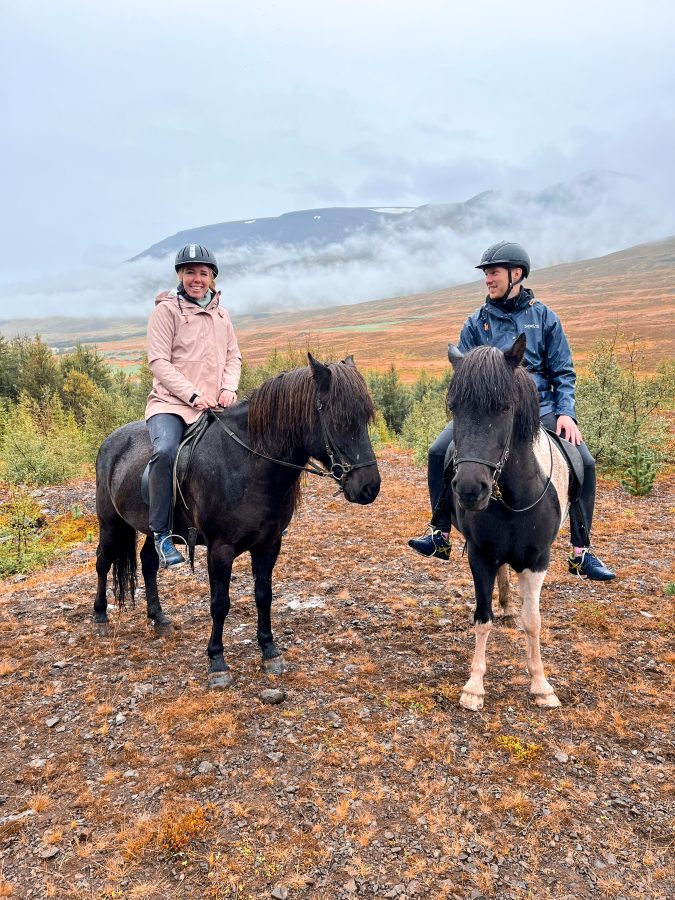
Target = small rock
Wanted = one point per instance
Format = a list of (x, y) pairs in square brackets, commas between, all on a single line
[(131, 773), (273, 696), (350, 887), (205, 768), (279, 892), (50, 723), (49, 852), (37, 763), (59, 664), (120, 719), (562, 757), (275, 756)]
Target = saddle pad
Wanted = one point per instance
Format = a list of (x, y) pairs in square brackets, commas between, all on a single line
[(574, 463)]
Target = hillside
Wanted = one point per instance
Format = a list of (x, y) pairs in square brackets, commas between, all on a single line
[(631, 290)]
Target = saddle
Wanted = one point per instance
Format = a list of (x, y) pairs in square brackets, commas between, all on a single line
[(191, 437), (575, 464)]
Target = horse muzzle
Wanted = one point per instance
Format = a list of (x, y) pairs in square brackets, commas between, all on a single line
[(362, 485), (472, 494)]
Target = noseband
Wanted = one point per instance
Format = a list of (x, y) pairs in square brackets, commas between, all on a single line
[(495, 493)]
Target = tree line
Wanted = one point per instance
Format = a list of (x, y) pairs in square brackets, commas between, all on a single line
[(56, 410)]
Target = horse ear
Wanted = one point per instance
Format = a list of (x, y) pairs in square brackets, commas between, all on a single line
[(320, 373), (454, 354), (349, 361), (514, 356)]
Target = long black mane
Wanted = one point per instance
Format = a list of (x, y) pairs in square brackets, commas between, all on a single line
[(484, 383), (283, 407)]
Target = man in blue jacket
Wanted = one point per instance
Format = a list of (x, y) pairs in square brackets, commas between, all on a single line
[(509, 310)]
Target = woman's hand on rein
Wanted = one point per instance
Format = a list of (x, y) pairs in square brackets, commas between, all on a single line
[(204, 402), (227, 398)]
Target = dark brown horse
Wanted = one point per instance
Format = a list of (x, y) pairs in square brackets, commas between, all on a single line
[(238, 500)]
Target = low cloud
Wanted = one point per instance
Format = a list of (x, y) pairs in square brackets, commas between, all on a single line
[(429, 249)]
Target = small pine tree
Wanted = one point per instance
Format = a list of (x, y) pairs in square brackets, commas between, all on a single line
[(391, 397), (640, 473), (422, 426)]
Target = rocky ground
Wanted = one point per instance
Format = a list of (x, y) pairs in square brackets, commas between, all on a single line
[(121, 776)]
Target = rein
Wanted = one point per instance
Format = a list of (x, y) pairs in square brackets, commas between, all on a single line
[(338, 470), (497, 467)]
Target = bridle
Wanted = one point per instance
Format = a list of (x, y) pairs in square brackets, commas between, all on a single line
[(339, 469), (495, 493)]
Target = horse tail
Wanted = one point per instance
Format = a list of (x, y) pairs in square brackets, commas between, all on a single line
[(124, 563)]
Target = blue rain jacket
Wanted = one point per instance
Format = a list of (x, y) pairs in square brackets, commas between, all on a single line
[(547, 355)]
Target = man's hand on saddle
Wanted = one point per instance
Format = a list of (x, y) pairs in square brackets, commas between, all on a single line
[(204, 402), (227, 398), (568, 428)]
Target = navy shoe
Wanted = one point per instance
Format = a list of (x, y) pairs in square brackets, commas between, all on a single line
[(589, 566), (432, 544), (169, 557)]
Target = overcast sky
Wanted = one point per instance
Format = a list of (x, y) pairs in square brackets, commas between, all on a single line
[(125, 122)]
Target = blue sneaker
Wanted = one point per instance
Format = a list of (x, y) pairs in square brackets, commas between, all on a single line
[(589, 566), (169, 557), (432, 544)]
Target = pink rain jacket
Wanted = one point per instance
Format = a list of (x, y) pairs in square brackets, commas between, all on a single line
[(190, 351)]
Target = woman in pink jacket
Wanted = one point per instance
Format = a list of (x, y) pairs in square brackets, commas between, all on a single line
[(195, 362)]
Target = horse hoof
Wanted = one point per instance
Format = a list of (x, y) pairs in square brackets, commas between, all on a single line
[(274, 666), (219, 681), (101, 629), (507, 621), (474, 702), (161, 627), (547, 701)]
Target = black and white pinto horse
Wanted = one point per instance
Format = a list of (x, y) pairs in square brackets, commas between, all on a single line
[(238, 500), (510, 497)]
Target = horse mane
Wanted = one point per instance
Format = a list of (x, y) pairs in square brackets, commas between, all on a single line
[(484, 382), (283, 408)]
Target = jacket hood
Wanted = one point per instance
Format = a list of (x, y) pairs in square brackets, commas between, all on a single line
[(172, 295)]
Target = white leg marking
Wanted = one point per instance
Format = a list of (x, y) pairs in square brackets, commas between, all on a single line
[(473, 691), (530, 584)]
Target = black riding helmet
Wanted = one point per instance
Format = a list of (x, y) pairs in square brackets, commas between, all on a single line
[(191, 254), (509, 255)]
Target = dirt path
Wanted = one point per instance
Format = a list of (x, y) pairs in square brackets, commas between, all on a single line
[(122, 777)]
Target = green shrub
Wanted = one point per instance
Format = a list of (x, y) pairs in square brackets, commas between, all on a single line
[(617, 406), (21, 549), (422, 426), (43, 444), (391, 397)]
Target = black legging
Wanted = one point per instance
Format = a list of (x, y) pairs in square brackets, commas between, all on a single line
[(166, 431), (440, 491)]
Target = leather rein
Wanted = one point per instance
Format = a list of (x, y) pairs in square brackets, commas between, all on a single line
[(339, 470), (497, 467)]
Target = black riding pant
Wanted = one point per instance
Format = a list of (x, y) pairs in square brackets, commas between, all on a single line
[(440, 490), (166, 431)]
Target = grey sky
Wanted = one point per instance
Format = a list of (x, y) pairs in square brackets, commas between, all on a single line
[(126, 122)]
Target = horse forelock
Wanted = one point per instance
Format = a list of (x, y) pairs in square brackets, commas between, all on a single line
[(283, 407), (484, 384)]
